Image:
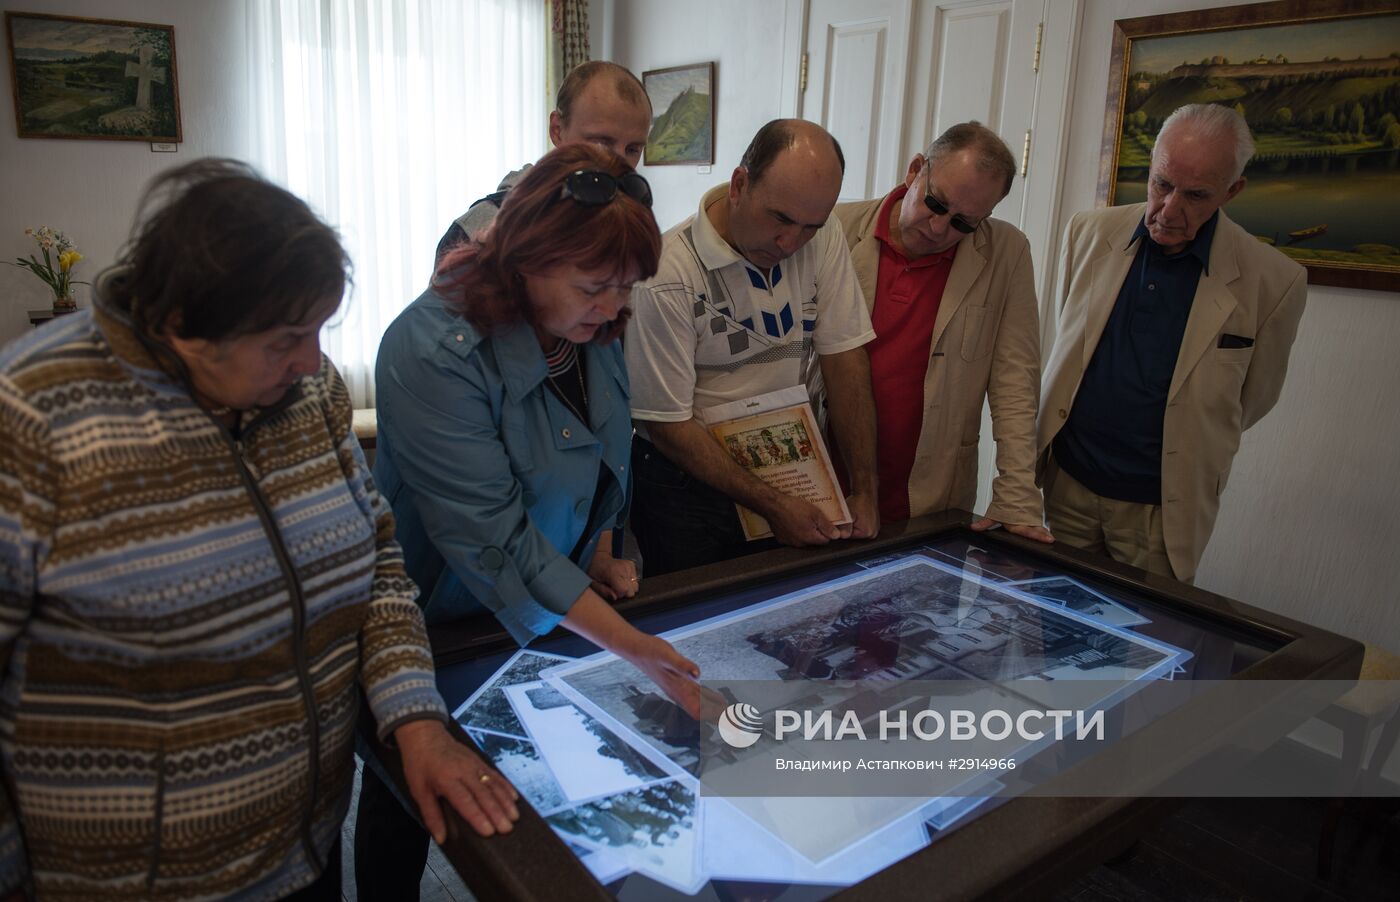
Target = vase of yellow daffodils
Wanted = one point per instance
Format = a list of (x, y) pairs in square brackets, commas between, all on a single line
[(56, 269)]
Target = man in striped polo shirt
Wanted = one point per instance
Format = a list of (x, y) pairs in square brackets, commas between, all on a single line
[(752, 291)]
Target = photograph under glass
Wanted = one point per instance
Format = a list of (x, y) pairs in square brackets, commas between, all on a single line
[(612, 764)]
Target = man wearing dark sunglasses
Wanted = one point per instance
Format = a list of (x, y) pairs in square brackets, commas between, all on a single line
[(952, 299), (753, 293), (598, 103)]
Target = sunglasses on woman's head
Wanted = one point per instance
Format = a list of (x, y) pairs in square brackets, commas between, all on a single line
[(593, 187)]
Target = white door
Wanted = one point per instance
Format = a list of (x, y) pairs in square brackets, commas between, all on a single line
[(975, 61), (857, 55), (888, 76)]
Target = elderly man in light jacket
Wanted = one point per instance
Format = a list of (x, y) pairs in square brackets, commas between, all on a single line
[(1174, 332)]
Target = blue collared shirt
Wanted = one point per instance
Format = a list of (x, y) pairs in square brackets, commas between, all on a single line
[(491, 477), (1112, 441)]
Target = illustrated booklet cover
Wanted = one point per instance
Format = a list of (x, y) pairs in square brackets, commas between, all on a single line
[(775, 437)]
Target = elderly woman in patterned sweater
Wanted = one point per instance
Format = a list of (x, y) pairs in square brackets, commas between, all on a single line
[(198, 577)]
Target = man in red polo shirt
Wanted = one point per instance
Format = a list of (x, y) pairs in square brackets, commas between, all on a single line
[(952, 301)]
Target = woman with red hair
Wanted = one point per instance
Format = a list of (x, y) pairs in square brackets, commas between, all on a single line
[(504, 429)]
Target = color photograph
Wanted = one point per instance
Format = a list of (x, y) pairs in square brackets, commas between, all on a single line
[(784, 448)]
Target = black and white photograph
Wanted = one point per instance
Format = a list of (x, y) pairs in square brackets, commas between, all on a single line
[(488, 710), (1081, 599), (588, 759), (915, 620), (655, 828), (606, 865), (519, 761), (985, 561)]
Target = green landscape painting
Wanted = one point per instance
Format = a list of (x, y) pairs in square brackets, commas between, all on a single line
[(1323, 101), (93, 78), (683, 110)]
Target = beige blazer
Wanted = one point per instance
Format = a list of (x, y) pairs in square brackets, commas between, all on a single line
[(986, 345), (1251, 290)]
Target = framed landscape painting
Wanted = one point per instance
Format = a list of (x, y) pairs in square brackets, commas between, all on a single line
[(93, 78), (683, 115), (1319, 85)]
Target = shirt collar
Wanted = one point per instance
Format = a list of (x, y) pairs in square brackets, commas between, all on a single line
[(882, 219), (715, 252), (1198, 248), (520, 360)]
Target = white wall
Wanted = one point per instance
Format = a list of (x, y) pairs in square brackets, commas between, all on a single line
[(745, 39), (1309, 521), (89, 189)]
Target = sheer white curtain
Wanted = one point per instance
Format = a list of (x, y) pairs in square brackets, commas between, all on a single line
[(390, 117)]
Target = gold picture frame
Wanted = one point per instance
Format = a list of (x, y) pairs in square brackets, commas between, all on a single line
[(683, 115), (100, 79), (1319, 83)]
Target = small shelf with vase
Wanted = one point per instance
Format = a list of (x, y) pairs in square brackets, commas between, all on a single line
[(56, 271), (39, 317)]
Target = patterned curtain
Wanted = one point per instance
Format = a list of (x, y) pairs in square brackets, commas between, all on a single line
[(568, 42)]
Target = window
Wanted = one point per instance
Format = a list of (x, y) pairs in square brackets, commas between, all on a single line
[(390, 117)]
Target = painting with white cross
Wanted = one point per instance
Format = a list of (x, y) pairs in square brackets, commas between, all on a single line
[(93, 78)]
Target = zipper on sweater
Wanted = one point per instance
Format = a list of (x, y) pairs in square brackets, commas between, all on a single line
[(159, 818), (298, 637)]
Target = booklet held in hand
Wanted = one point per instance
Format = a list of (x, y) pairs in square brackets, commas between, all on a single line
[(775, 437)]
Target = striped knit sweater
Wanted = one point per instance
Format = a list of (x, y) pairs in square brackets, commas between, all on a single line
[(185, 622)]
